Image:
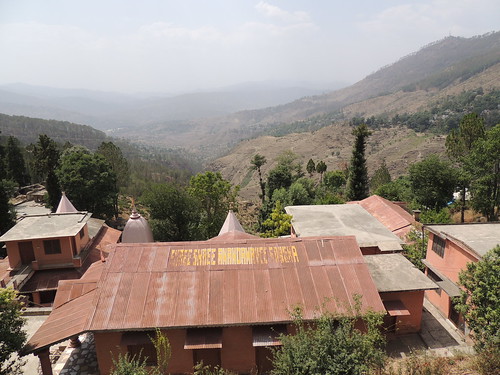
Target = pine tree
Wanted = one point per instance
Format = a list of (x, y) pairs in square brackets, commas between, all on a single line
[(357, 183), (15, 166), (310, 167)]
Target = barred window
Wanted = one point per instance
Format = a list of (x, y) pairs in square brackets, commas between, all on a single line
[(438, 245), (52, 246)]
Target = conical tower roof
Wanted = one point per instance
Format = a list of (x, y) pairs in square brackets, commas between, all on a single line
[(137, 229), (231, 224), (232, 230), (65, 206)]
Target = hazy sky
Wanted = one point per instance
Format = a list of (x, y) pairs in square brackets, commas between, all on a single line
[(181, 45)]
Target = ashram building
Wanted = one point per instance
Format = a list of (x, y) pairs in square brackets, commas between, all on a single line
[(450, 248), (378, 228), (44, 249), (222, 301)]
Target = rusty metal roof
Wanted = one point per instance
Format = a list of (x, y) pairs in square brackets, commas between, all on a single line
[(217, 283), (212, 284), (69, 319), (48, 279), (392, 216)]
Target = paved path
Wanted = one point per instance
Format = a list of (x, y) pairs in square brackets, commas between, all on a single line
[(31, 326)]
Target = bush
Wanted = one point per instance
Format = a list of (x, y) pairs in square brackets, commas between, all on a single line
[(331, 344)]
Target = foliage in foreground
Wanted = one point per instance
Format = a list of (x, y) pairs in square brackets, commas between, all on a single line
[(479, 301), (331, 344), (137, 365), (12, 335)]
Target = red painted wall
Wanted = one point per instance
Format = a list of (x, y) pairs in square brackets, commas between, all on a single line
[(414, 302)]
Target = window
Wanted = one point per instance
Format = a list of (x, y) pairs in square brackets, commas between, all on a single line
[(52, 246), (432, 275), (146, 352), (438, 245)]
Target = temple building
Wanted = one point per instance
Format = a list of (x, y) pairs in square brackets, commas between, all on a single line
[(223, 301)]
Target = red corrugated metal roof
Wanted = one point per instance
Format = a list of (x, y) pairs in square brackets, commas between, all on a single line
[(68, 320), (221, 283), (392, 216), (216, 283)]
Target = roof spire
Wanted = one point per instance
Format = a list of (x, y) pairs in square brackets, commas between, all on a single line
[(65, 206), (137, 229)]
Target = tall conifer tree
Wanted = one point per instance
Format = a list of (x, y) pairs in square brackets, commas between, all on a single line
[(357, 183)]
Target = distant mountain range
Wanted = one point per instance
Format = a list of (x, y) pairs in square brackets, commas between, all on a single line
[(108, 111), (446, 67), (435, 84)]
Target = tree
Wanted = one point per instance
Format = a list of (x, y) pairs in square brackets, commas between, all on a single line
[(12, 335), (331, 344), (46, 160), (285, 173), (174, 214), (310, 167), (483, 165), (257, 162), (7, 215), (380, 177), (119, 165), (278, 224), (14, 160), (216, 196), (321, 168), (334, 180), (357, 183), (479, 299), (396, 190), (433, 182), (88, 181), (415, 248), (459, 144)]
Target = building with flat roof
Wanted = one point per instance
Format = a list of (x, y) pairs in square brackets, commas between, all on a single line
[(43, 249), (449, 249), (391, 215), (223, 301), (344, 220)]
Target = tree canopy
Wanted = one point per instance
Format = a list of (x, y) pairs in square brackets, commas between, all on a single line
[(483, 166), (433, 182), (12, 335), (480, 299), (174, 214), (88, 181), (216, 196)]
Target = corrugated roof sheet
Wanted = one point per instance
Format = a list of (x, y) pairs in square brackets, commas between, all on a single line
[(212, 284), (215, 283), (392, 216), (68, 320)]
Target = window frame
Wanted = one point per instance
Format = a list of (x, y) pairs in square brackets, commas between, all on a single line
[(438, 245), (50, 248)]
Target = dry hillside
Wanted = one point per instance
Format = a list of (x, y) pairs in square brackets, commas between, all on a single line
[(333, 144)]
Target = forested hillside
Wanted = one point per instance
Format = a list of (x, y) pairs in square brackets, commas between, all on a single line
[(420, 82)]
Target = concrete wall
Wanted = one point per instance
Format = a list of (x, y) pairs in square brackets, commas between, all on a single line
[(69, 248), (238, 352), (454, 260), (414, 302), (42, 260)]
